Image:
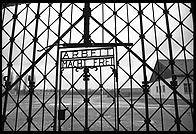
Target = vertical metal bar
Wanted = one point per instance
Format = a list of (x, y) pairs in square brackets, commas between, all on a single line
[(86, 103), (71, 22), (72, 97), (101, 98), (8, 84), (86, 79), (162, 125), (130, 77), (145, 84), (101, 89), (160, 96), (184, 50), (2, 121), (31, 89), (86, 14), (131, 81), (3, 16), (21, 66), (115, 94), (116, 75), (59, 95), (44, 88), (57, 74), (172, 67), (193, 110), (61, 72)]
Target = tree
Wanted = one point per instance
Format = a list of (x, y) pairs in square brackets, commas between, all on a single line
[(11, 81), (16, 87), (24, 89), (2, 81)]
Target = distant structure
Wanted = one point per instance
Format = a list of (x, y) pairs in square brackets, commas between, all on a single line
[(24, 89), (126, 92), (19, 88), (162, 67)]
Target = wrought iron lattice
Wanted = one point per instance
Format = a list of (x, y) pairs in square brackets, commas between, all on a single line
[(137, 72)]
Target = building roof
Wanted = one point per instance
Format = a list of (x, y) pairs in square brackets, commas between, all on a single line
[(163, 67)]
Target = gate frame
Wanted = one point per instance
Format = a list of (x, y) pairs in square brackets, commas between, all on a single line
[(86, 78)]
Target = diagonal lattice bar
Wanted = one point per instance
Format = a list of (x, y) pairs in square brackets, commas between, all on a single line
[(45, 53), (149, 67)]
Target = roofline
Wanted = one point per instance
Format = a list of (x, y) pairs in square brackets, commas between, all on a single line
[(179, 75)]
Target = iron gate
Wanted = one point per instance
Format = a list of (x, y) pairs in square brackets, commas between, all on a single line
[(144, 83)]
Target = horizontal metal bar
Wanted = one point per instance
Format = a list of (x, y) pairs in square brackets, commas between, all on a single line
[(88, 58), (89, 48), (88, 66), (5, 5), (73, 45)]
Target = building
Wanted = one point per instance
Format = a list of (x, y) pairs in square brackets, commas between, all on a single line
[(126, 92), (159, 88)]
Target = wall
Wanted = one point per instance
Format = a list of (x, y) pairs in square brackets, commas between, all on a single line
[(168, 91)]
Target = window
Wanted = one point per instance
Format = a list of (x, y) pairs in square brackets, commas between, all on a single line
[(163, 88), (187, 89), (157, 89)]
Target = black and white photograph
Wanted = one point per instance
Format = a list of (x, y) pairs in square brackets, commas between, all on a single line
[(97, 67)]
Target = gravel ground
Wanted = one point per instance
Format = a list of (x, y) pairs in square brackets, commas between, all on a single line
[(131, 119)]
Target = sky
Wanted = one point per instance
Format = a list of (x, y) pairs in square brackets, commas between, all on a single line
[(127, 34)]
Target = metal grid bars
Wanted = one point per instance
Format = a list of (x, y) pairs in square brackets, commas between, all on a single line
[(74, 100), (148, 85)]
